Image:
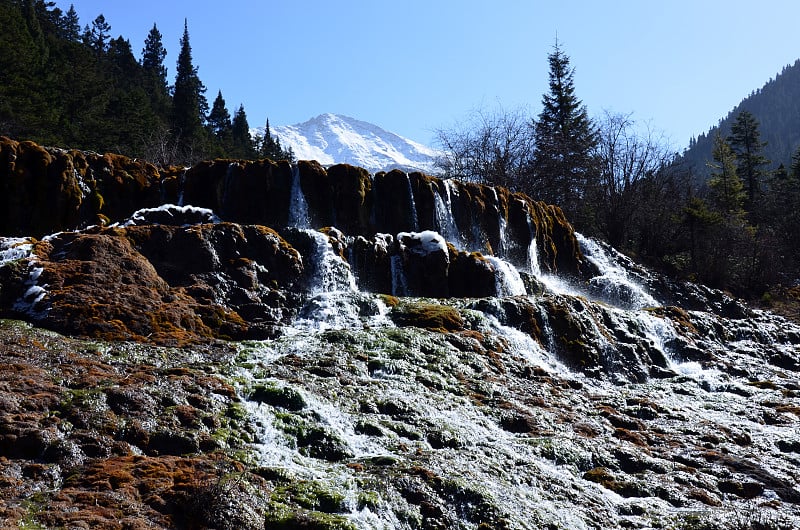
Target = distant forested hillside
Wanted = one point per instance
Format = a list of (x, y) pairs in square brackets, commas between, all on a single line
[(776, 108), (78, 87)]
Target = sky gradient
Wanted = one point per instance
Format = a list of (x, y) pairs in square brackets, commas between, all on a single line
[(414, 66)]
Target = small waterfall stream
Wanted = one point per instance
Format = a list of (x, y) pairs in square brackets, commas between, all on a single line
[(413, 205), (614, 284), (298, 207), (445, 220)]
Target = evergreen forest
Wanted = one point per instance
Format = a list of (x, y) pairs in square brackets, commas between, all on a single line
[(81, 88)]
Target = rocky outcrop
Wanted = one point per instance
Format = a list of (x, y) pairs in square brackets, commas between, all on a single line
[(166, 284), (46, 190)]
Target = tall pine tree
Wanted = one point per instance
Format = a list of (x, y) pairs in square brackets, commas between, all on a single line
[(269, 146), (565, 139), (745, 140), (189, 103), (153, 55), (98, 35), (71, 26), (155, 75)]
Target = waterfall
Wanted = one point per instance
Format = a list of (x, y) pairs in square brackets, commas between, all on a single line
[(502, 227), (533, 252), (507, 280), (333, 303), (399, 281), (414, 218), (298, 207), (331, 272), (181, 187), (614, 284), (445, 221)]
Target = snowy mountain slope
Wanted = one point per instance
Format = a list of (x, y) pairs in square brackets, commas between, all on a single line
[(334, 139)]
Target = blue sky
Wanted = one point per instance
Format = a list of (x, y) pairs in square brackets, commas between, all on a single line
[(412, 66)]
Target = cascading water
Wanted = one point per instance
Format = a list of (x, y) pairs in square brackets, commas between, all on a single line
[(298, 207), (413, 204), (507, 279), (399, 280), (614, 284), (445, 220), (332, 288), (533, 253), (181, 187)]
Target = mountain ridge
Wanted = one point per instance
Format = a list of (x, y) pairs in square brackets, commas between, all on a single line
[(776, 107), (334, 138)]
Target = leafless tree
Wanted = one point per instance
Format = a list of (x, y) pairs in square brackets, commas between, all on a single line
[(161, 148), (491, 146), (634, 163)]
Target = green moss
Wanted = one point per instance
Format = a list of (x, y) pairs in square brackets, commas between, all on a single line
[(311, 495), (283, 397), (368, 499), (342, 337), (434, 317), (236, 412), (312, 440), (281, 517), (34, 505)]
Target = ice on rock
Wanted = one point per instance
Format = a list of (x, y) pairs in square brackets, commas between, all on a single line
[(173, 215), (429, 240)]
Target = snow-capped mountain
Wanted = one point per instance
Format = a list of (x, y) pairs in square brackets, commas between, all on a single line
[(335, 139)]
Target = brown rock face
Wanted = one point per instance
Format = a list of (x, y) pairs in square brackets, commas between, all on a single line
[(177, 277), (44, 190), (48, 190), (166, 284)]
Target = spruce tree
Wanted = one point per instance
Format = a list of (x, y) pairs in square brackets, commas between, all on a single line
[(153, 55), (71, 25), (726, 186), (269, 146), (155, 78), (565, 140), (240, 135), (189, 103), (219, 120), (745, 140)]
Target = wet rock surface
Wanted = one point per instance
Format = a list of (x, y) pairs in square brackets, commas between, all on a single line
[(435, 415), (435, 355)]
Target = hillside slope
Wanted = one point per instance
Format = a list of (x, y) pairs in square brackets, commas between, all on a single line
[(776, 106)]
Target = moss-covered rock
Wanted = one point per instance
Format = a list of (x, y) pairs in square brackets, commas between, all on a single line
[(435, 317)]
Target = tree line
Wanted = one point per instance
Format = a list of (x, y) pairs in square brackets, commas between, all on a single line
[(64, 85), (737, 228)]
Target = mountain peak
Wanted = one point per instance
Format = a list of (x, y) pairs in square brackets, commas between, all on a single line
[(334, 138)]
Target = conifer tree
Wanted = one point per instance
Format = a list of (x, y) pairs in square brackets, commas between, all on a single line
[(269, 146), (565, 140), (219, 121), (71, 25), (726, 186), (240, 135), (189, 103), (97, 36), (153, 55), (745, 140)]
